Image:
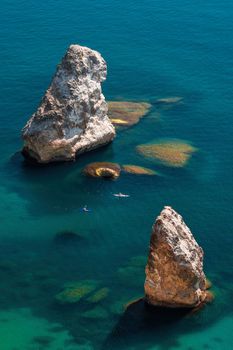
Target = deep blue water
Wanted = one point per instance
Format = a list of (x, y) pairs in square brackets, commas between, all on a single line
[(153, 49)]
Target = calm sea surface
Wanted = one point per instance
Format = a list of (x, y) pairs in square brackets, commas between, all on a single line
[(154, 49)]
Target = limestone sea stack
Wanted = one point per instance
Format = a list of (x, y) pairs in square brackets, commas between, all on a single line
[(174, 271), (72, 117)]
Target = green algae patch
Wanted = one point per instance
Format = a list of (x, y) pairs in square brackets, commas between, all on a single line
[(138, 170), (99, 295), (75, 291), (103, 169), (125, 113), (173, 153), (97, 312)]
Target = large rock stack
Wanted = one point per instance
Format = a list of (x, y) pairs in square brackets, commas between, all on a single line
[(174, 272), (72, 117)]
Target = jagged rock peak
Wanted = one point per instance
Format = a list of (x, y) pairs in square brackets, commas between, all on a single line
[(174, 271), (72, 117)]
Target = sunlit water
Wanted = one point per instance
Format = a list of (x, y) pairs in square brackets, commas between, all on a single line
[(154, 49)]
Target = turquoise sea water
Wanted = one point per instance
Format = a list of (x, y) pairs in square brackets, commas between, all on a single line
[(154, 49)]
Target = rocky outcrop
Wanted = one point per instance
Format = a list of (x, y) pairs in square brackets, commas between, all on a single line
[(174, 271), (72, 117)]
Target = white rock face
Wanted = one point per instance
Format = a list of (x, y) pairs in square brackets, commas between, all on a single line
[(174, 272), (72, 117)]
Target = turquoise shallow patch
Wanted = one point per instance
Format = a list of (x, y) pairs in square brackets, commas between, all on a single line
[(19, 328)]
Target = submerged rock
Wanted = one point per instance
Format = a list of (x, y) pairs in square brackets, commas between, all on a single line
[(97, 312), (173, 153), (138, 170), (99, 295), (174, 271), (124, 113), (72, 117), (67, 236), (103, 169), (43, 340), (75, 291)]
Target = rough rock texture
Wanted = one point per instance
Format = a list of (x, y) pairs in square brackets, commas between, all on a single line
[(72, 117), (174, 271)]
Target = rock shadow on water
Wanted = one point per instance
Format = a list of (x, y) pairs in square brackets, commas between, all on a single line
[(142, 322)]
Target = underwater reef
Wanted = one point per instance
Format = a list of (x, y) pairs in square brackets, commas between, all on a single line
[(173, 153), (125, 113), (74, 291), (138, 170)]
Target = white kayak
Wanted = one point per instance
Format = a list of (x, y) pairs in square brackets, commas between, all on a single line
[(121, 195)]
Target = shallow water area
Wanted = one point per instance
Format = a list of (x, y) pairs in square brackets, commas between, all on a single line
[(154, 50)]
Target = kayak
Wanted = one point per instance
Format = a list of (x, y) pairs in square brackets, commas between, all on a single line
[(85, 210), (121, 195)]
